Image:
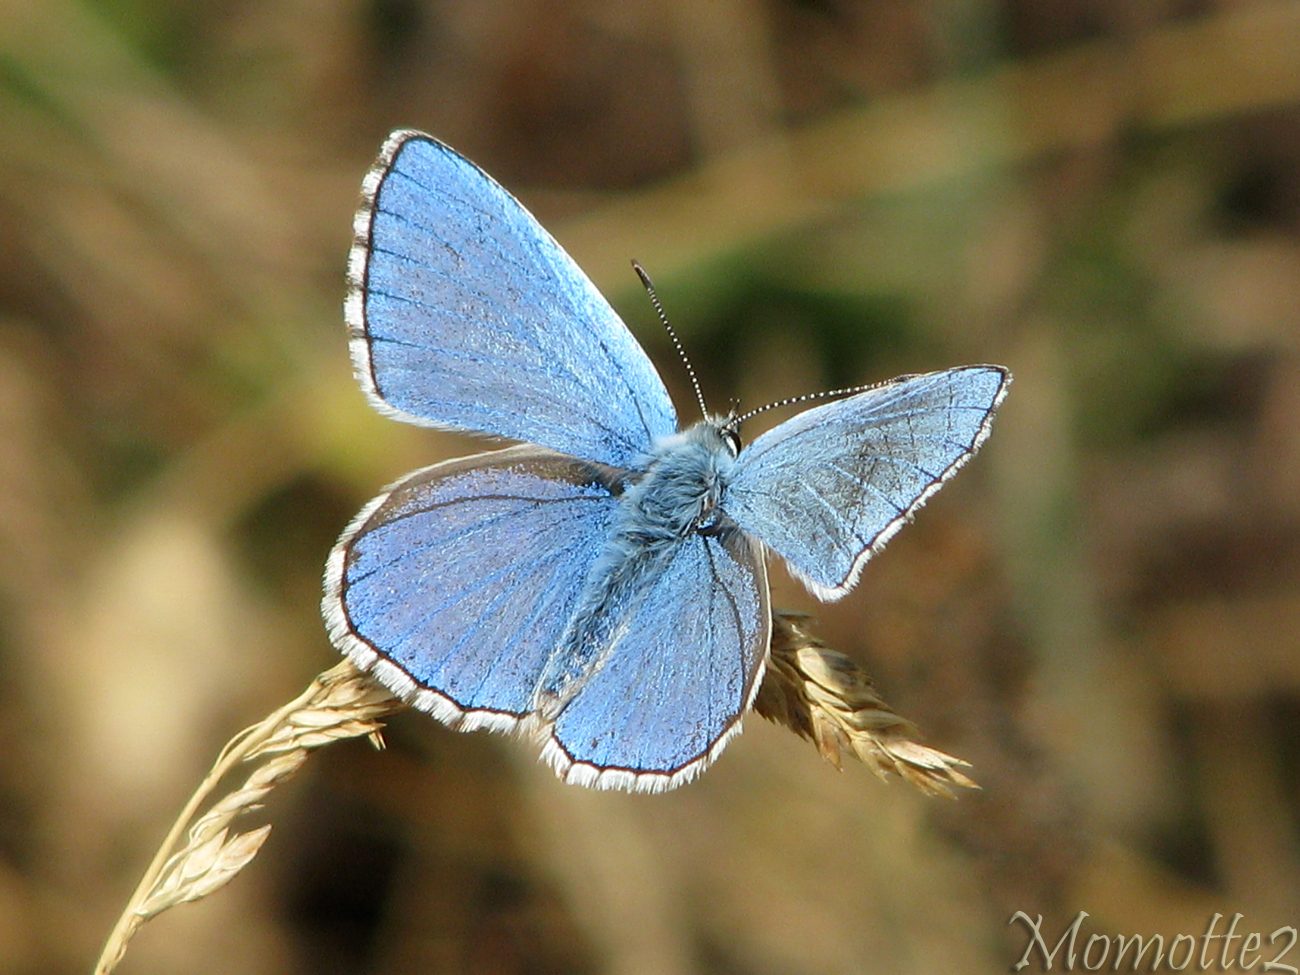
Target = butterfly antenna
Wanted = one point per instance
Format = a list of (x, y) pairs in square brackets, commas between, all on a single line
[(654, 300), (805, 398)]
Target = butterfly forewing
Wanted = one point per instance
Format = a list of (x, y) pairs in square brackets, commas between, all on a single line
[(466, 313), (454, 585), (828, 487)]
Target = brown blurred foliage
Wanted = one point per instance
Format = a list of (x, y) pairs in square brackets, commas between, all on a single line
[(1102, 612)]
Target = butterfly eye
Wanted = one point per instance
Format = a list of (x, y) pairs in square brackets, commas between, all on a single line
[(710, 523), (732, 439)]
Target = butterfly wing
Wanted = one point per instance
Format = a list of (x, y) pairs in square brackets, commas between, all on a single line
[(675, 686), (465, 313), (453, 586), (828, 488)]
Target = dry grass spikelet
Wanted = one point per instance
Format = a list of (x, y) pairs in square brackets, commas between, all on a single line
[(824, 696), (818, 693), (340, 703)]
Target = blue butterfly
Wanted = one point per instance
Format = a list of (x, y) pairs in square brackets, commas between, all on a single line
[(601, 586)]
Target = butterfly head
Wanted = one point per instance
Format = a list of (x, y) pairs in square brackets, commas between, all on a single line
[(723, 437), (687, 477)]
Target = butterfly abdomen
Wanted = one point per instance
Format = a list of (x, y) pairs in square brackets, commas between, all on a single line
[(676, 497)]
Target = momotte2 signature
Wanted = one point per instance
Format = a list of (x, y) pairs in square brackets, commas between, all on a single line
[(1221, 951)]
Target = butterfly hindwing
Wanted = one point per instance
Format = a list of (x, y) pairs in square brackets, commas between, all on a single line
[(454, 585), (830, 486), (465, 313), (676, 684)]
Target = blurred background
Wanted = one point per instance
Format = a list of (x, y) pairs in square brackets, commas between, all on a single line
[(1102, 613)]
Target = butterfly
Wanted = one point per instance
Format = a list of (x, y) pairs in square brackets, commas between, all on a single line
[(602, 585)]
